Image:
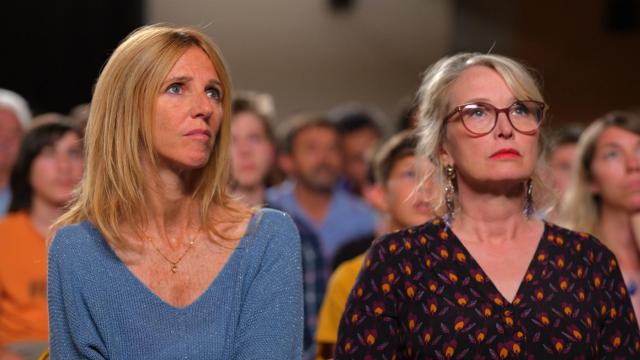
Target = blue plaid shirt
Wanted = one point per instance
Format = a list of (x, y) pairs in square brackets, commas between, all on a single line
[(315, 276)]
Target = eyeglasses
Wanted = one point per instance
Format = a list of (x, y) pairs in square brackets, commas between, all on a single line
[(480, 118)]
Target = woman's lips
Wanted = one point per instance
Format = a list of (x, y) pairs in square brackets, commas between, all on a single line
[(199, 134), (507, 153), (422, 206)]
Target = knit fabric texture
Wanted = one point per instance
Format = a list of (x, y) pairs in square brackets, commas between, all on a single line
[(253, 310)]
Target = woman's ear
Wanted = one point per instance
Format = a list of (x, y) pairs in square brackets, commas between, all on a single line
[(443, 155), (594, 188)]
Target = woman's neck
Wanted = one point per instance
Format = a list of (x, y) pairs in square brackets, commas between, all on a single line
[(494, 217), (617, 232), (170, 211), (250, 195), (43, 214)]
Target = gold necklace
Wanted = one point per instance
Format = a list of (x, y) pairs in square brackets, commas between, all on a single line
[(174, 264)]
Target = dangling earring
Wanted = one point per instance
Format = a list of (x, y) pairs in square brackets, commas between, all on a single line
[(528, 210), (450, 192)]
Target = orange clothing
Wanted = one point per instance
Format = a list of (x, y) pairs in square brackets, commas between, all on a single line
[(23, 281)]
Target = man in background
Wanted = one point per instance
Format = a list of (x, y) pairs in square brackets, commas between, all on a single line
[(360, 135), (311, 155), (15, 118)]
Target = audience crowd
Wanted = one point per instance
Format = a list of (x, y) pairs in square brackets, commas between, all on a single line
[(347, 182)]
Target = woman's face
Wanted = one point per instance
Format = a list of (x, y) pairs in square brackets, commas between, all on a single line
[(188, 112), (503, 156), (615, 169), (561, 166), (10, 135), (252, 152), (406, 206), (56, 170)]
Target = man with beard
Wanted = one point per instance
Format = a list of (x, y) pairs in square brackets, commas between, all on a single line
[(327, 216), (311, 155)]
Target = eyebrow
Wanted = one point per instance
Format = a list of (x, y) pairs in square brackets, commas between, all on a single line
[(618, 145), (485, 100), (189, 78)]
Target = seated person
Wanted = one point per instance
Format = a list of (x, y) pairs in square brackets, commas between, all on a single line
[(48, 167), (402, 204)]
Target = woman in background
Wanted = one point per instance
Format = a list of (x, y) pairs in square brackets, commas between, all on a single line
[(253, 149), (154, 259), (603, 197), (48, 167)]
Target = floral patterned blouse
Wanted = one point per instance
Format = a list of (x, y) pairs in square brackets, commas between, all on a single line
[(420, 295)]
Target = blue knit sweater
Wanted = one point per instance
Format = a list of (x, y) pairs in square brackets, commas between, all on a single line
[(253, 310)]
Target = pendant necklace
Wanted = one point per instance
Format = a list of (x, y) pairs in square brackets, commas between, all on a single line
[(174, 264)]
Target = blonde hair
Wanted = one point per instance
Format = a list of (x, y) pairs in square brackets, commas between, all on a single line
[(433, 104), (580, 208), (119, 134)]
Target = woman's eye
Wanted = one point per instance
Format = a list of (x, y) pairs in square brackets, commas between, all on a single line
[(474, 112), (609, 155), (520, 109), (256, 138), (408, 174), (174, 89), (214, 93)]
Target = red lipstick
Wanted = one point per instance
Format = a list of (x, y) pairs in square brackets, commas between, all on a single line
[(506, 153)]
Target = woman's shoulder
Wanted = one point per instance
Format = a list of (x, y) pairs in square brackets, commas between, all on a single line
[(271, 241), (266, 221), (577, 242), (401, 242), (271, 228), (13, 222), (79, 238), (272, 216)]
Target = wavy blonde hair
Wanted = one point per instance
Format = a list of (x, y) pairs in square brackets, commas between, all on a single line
[(580, 208), (433, 105), (119, 134)]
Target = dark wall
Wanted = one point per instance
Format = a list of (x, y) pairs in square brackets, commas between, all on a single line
[(587, 53), (52, 51)]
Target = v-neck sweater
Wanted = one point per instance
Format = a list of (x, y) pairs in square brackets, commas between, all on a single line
[(253, 309), (421, 295)]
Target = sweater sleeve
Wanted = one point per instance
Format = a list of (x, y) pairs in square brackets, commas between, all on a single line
[(271, 319), (71, 331)]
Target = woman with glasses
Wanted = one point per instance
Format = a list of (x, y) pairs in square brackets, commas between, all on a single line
[(486, 279), (603, 197)]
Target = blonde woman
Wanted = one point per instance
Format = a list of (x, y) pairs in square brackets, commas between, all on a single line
[(488, 279), (154, 260), (604, 195)]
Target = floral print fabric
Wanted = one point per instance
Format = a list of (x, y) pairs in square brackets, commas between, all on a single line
[(421, 295)]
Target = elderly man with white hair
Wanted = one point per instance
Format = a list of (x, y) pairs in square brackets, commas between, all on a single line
[(15, 118)]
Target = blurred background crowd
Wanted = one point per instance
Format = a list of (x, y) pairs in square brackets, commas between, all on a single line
[(321, 127)]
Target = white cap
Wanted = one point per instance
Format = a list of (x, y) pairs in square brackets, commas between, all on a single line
[(17, 104)]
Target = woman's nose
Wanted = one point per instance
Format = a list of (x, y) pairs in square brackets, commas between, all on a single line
[(202, 106), (503, 128)]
